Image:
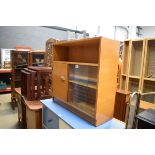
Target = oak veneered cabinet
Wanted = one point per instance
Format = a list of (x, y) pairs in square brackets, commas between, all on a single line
[(85, 77)]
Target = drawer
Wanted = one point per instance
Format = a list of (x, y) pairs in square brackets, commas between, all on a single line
[(50, 120)]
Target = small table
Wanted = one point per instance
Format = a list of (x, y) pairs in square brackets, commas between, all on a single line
[(146, 119), (57, 117)]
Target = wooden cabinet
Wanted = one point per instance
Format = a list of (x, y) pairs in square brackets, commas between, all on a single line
[(121, 100), (85, 77), (138, 72)]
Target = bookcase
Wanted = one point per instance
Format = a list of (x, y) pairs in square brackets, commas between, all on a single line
[(85, 77), (138, 73), (132, 68)]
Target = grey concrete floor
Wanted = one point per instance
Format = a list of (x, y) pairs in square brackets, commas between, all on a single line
[(8, 117)]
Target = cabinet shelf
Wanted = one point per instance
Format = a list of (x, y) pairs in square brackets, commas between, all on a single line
[(5, 90), (5, 71), (86, 84), (77, 63), (123, 74), (134, 77), (149, 79)]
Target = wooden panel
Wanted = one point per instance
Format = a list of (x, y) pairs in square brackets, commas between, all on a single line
[(77, 63), (31, 119), (88, 54), (125, 57), (121, 100), (60, 78), (136, 58), (107, 79), (133, 84), (123, 82), (60, 53)]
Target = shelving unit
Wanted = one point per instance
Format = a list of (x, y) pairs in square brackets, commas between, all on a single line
[(133, 84), (133, 56), (83, 80), (5, 76), (140, 74)]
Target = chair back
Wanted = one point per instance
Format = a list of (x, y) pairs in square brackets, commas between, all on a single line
[(133, 110)]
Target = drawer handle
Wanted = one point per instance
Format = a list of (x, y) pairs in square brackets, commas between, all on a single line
[(62, 78), (50, 120)]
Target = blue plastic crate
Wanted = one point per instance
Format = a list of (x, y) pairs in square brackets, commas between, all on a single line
[(3, 85)]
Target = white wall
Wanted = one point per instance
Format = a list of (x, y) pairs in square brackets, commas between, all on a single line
[(111, 32)]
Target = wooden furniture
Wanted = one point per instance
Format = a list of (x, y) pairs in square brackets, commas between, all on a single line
[(55, 116), (30, 112), (85, 77), (36, 83), (138, 70), (49, 55), (5, 77), (19, 60), (37, 58), (23, 48), (133, 110), (121, 100)]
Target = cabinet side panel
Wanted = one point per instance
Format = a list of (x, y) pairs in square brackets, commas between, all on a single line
[(107, 79), (31, 120)]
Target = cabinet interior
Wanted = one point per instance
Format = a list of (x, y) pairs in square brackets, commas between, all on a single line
[(78, 53), (133, 84), (125, 57), (82, 87), (150, 60), (136, 58)]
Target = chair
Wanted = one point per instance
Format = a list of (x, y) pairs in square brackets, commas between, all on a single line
[(134, 107), (133, 110)]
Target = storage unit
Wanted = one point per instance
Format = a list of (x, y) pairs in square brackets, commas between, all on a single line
[(85, 77), (132, 68), (148, 78), (5, 80), (138, 69), (20, 59), (55, 116)]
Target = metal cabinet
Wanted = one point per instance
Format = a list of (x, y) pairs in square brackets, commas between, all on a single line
[(52, 121)]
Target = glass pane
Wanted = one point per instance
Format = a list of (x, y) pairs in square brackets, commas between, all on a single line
[(20, 60), (38, 59), (82, 87)]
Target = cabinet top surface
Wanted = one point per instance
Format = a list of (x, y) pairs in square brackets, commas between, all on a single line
[(95, 40), (75, 121)]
